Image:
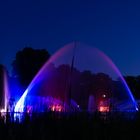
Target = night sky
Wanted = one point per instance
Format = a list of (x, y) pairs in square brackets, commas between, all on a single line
[(113, 26)]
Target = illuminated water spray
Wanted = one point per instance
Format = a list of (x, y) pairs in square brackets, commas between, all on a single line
[(6, 92), (51, 85)]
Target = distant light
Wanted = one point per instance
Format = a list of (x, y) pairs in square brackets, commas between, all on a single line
[(137, 109), (104, 108), (29, 109), (57, 108), (53, 108), (104, 95), (2, 110)]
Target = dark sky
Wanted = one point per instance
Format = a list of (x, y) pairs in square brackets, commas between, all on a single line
[(113, 26)]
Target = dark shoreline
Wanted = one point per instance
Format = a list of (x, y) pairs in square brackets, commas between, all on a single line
[(73, 126)]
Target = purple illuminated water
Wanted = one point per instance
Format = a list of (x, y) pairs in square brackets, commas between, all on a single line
[(77, 77), (6, 92)]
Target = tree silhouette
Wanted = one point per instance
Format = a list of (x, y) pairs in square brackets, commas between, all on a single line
[(134, 84), (27, 63)]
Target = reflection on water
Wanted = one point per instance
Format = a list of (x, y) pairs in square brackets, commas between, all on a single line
[(13, 117), (17, 117)]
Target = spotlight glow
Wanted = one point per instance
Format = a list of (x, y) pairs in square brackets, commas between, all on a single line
[(20, 104)]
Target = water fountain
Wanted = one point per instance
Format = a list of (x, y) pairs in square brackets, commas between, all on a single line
[(77, 78), (5, 93)]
